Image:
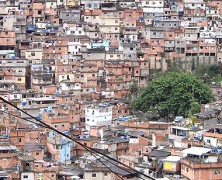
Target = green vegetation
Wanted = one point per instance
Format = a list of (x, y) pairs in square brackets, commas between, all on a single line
[(173, 93), (209, 73)]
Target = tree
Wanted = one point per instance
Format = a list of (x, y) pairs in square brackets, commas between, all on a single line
[(209, 73), (177, 93)]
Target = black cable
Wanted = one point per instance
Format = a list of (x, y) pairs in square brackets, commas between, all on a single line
[(82, 145), (85, 148), (22, 118), (46, 127), (108, 167)]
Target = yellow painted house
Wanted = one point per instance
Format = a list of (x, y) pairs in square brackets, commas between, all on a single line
[(20, 80), (71, 3)]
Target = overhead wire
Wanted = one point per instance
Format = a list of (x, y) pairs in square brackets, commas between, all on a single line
[(93, 154), (25, 119), (82, 145), (46, 127)]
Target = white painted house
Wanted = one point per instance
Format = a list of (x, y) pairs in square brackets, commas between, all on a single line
[(98, 115)]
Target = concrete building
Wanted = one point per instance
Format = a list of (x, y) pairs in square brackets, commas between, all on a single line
[(98, 115)]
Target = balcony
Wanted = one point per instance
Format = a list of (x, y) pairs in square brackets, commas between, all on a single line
[(215, 135)]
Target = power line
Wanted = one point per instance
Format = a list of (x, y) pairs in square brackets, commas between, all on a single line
[(6, 112), (93, 153), (82, 145)]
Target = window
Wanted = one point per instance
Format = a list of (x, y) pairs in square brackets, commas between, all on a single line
[(94, 175), (37, 153), (19, 79), (19, 139), (105, 174), (25, 176), (217, 171), (32, 53)]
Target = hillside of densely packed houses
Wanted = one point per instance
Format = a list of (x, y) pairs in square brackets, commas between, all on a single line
[(72, 63)]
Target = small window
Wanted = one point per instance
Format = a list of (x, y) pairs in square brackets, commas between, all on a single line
[(25, 176), (217, 171), (94, 175), (105, 174)]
